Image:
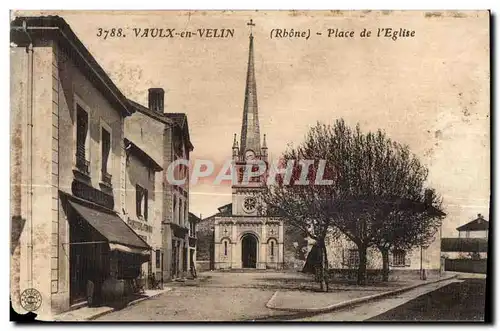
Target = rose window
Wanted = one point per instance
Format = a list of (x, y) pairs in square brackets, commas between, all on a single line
[(249, 204)]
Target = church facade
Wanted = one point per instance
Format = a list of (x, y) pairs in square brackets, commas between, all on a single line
[(242, 236)]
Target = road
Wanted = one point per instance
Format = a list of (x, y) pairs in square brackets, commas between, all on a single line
[(243, 297), (225, 296)]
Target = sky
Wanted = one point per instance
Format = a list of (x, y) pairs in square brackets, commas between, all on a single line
[(430, 91)]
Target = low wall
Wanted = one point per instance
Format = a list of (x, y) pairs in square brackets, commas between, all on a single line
[(202, 266), (376, 274), (296, 265), (465, 245), (466, 265)]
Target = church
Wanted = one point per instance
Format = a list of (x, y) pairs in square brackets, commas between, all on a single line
[(242, 236)]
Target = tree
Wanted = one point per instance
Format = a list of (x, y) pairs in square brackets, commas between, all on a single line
[(303, 206), (407, 224), (407, 214), (376, 197), (382, 198)]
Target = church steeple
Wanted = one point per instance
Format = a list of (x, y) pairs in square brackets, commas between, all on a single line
[(250, 131)]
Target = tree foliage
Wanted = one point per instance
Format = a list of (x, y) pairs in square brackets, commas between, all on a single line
[(377, 196)]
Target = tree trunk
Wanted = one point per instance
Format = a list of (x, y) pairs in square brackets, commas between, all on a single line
[(321, 266), (385, 264), (362, 265), (326, 274)]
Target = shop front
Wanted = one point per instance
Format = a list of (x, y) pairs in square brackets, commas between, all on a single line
[(106, 255)]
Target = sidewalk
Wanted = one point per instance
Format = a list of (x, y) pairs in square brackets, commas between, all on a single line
[(91, 313), (341, 297)]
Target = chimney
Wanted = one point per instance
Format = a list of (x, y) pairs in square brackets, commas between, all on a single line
[(156, 99)]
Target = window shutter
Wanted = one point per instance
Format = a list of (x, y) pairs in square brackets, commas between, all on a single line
[(138, 200), (146, 205)]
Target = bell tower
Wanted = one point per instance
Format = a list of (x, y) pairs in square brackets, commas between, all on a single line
[(250, 150)]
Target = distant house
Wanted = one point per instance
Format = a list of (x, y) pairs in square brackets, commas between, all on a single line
[(468, 252), (477, 228)]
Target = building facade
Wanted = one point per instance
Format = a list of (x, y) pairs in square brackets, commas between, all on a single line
[(165, 137), (245, 237), (68, 164), (343, 254), (140, 202), (477, 228)]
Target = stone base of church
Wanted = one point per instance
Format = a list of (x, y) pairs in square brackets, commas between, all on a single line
[(248, 243), (259, 266)]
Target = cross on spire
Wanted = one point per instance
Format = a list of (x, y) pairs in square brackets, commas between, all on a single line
[(251, 24)]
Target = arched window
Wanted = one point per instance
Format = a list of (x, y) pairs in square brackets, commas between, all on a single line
[(225, 248), (272, 247)]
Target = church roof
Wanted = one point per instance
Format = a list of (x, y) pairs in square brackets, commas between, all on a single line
[(250, 131), (479, 224), (226, 209)]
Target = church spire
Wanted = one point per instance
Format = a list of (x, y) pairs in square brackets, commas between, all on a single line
[(250, 132)]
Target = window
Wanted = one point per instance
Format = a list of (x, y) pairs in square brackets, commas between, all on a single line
[(141, 202), (225, 248), (192, 229), (272, 247), (158, 259), (353, 258), (105, 152), (398, 258), (146, 198), (82, 129)]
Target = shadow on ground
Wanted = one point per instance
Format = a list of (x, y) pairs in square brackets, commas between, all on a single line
[(122, 303), (463, 301)]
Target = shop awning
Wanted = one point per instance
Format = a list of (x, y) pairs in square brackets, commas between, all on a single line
[(119, 235)]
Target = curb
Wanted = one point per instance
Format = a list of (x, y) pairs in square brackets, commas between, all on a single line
[(131, 303), (352, 302)]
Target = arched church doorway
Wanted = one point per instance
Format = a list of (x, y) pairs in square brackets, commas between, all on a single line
[(249, 251)]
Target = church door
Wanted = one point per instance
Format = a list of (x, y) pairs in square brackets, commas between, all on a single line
[(249, 251)]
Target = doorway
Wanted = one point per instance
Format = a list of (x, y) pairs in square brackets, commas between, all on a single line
[(249, 251), (87, 259)]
